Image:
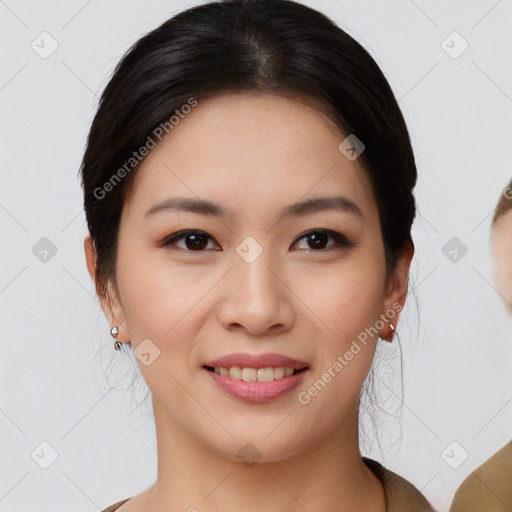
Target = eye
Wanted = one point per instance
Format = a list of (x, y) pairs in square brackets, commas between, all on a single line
[(197, 241), (194, 240), (317, 239)]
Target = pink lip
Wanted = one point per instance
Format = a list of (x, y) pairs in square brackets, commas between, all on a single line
[(256, 361), (257, 392)]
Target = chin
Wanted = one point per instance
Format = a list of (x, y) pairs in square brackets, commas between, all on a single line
[(254, 449)]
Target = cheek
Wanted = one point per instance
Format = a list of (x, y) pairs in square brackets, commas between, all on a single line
[(344, 355), (346, 309), (158, 297), (161, 303), (344, 301)]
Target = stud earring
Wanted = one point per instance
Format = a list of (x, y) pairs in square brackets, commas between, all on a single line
[(392, 327), (114, 332)]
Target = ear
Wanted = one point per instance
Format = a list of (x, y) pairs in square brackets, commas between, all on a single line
[(110, 304), (396, 292)]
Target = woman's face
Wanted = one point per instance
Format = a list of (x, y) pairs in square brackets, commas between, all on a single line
[(501, 243), (255, 275)]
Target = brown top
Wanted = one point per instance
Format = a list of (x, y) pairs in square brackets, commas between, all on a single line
[(401, 496), (489, 487)]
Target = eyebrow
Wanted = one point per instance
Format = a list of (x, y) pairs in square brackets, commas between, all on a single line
[(300, 209)]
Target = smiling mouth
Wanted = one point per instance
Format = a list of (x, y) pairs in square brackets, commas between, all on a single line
[(256, 374)]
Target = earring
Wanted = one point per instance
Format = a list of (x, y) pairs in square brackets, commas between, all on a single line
[(392, 327), (114, 332)]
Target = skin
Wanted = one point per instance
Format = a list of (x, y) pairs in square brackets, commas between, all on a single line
[(253, 154), (501, 246)]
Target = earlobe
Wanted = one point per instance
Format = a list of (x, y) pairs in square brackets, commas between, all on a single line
[(390, 334)]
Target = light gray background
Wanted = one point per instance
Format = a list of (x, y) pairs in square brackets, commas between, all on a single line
[(61, 381)]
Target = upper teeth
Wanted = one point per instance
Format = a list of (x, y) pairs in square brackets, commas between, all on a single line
[(255, 374)]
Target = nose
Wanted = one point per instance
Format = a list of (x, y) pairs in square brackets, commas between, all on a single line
[(256, 297)]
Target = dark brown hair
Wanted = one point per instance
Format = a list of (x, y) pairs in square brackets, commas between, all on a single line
[(276, 46), (504, 203)]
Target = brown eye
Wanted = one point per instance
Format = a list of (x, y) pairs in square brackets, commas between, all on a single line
[(197, 241), (194, 240), (318, 239)]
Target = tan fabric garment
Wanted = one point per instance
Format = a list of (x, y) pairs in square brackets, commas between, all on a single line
[(489, 487), (401, 496), (115, 506)]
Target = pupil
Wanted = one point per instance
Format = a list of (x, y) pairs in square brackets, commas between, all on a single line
[(318, 239), (198, 241)]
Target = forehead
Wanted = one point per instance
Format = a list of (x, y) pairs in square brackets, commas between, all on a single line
[(252, 150), (501, 243)]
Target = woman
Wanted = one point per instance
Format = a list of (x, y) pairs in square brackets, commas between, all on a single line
[(489, 487), (248, 186)]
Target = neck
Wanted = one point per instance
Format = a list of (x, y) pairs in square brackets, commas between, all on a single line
[(326, 477)]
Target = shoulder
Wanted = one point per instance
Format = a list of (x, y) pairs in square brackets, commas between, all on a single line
[(115, 506), (488, 487), (401, 495)]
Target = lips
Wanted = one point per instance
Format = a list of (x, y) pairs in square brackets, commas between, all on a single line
[(269, 360), (256, 378)]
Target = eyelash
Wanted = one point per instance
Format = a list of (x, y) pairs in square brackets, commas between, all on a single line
[(341, 241)]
